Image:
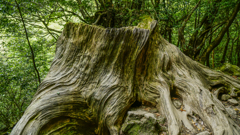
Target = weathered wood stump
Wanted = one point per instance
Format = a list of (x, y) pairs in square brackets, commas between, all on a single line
[(98, 73)]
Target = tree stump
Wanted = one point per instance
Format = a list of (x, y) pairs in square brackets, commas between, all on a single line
[(98, 73)]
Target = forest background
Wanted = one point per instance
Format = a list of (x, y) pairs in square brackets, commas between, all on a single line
[(205, 30)]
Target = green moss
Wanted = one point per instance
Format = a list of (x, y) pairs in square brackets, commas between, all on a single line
[(230, 69), (145, 23), (133, 129)]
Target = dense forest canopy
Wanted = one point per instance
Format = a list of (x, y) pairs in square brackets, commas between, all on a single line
[(205, 30)]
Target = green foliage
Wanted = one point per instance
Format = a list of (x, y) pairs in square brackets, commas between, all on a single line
[(45, 20), (18, 80)]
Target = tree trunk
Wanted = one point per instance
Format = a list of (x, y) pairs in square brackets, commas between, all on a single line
[(230, 58), (97, 74), (219, 37), (225, 48), (213, 59), (238, 52), (197, 40), (181, 37)]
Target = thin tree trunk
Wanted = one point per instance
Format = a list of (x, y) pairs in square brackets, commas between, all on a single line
[(219, 38), (81, 9), (230, 53), (238, 52), (226, 48), (196, 40), (213, 59), (210, 40), (181, 29), (170, 34), (32, 52)]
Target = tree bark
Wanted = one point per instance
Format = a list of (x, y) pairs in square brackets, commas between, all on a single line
[(225, 48), (230, 58), (97, 74), (238, 52)]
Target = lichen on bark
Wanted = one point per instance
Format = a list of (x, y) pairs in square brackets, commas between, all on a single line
[(98, 73)]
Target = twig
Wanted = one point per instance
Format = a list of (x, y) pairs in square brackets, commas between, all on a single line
[(33, 59), (97, 19), (71, 13)]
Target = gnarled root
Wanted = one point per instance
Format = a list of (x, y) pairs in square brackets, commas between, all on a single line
[(171, 74), (97, 74)]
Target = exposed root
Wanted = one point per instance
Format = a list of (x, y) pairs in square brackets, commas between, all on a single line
[(191, 82), (97, 74)]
